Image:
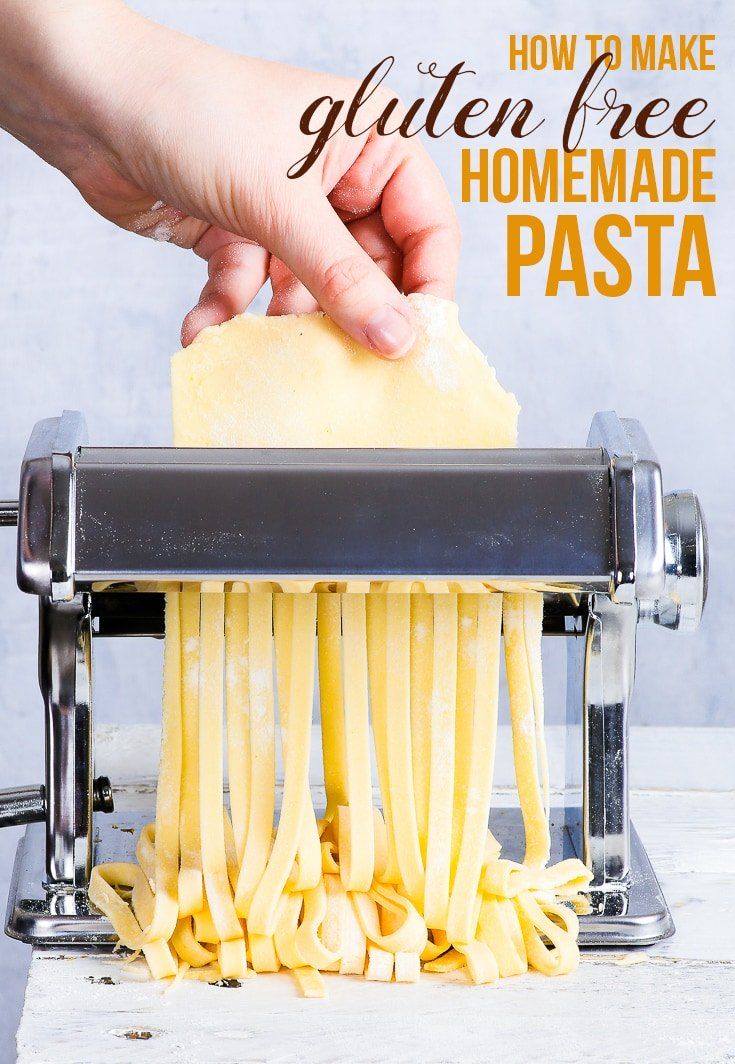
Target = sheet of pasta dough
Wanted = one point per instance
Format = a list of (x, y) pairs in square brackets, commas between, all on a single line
[(299, 381)]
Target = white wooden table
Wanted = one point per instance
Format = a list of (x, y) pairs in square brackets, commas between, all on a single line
[(673, 1002)]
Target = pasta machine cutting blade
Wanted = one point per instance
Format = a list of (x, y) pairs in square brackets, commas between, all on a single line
[(102, 531)]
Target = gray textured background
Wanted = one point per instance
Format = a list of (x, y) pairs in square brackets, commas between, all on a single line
[(89, 316)]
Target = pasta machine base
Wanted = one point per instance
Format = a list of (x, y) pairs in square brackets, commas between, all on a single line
[(102, 532), (634, 914)]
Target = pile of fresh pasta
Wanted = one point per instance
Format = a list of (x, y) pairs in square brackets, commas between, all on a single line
[(381, 886)]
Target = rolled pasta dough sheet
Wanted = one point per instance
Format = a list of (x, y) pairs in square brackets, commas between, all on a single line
[(299, 381)]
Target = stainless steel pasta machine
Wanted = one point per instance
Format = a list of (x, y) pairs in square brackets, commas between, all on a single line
[(102, 530)]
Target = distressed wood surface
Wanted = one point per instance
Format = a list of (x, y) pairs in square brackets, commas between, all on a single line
[(672, 1002)]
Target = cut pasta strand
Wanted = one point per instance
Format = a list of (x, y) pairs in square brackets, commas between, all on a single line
[(422, 647), (191, 883), (377, 620), (238, 715), (357, 864), (261, 805), (441, 777), (330, 697), (523, 722), (168, 795), (262, 910), (468, 656), (479, 778), (307, 867), (400, 768), (231, 947)]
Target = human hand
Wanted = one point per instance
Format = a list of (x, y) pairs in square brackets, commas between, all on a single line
[(174, 139)]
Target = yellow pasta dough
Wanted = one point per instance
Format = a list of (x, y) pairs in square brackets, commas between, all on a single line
[(380, 892), (299, 381)]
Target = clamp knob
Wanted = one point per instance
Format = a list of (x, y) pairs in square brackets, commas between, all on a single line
[(686, 566)]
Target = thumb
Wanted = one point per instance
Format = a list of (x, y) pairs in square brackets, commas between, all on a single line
[(346, 283)]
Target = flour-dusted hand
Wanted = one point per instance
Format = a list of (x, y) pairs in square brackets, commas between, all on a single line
[(177, 140)]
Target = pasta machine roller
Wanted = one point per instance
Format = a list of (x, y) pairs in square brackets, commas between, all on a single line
[(102, 531)]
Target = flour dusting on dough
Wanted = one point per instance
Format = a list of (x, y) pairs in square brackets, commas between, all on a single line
[(435, 361)]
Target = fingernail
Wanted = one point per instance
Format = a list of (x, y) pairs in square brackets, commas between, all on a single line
[(389, 332), (188, 331)]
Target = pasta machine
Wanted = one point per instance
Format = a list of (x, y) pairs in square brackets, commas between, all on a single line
[(102, 531)]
